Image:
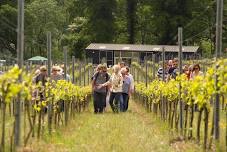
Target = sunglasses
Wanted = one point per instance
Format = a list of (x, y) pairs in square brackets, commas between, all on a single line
[(196, 68)]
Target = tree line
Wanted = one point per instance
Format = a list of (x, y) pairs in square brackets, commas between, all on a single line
[(77, 23)]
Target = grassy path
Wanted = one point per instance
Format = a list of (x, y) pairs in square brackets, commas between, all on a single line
[(133, 131)]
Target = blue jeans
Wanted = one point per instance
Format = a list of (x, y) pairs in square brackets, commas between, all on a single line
[(125, 101), (117, 104)]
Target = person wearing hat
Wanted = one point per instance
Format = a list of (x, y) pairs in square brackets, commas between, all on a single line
[(42, 76), (55, 75)]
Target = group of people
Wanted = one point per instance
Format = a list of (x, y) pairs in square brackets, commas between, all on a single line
[(41, 76), (171, 70), (57, 73), (115, 88)]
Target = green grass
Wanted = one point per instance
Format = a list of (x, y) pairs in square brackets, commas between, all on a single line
[(133, 131)]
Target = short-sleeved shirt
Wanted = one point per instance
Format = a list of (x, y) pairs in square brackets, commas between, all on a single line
[(100, 78), (116, 82), (126, 84)]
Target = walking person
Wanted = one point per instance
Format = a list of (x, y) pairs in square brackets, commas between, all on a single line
[(126, 89), (97, 69), (172, 72), (99, 93), (132, 86), (116, 83)]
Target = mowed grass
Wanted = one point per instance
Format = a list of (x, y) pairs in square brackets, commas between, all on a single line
[(133, 131)]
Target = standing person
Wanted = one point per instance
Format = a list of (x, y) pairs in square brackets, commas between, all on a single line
[(132, 89), (196, 71), (132, 86), (97, 69), (190, 70), (99, 93), (55, 75), (126, 89), (160, 71), (172, 73), (186, 71), (170, 64), (116, 82), (42, 76)]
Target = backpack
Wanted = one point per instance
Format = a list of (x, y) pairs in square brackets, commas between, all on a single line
[(96, 76)]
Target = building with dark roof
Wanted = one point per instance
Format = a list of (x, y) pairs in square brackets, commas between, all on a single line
[(112, 53)]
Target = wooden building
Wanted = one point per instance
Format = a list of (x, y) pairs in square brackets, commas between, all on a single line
[(112, 53)]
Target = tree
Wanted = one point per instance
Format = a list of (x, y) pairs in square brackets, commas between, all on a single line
[(8, 35), (77, 37), (145, 25), (43, 16), (101, 21), (168, 16), (131, 20)]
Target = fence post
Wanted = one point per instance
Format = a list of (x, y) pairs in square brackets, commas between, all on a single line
[(219, 20), (20, 56), (146, 69), (180, 43), (84, 73), (80, 74), (88, 75), (153, 66), (163, 79), (66, 107), (49, 74), (65, 62), (73, 69)]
